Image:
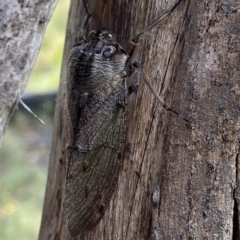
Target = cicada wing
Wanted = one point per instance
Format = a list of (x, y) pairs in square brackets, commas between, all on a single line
[(96, 157)]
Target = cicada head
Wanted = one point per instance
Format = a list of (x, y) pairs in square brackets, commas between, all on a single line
[(95, 61)]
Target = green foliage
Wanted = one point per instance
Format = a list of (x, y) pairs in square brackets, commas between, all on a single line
[(23, 182)]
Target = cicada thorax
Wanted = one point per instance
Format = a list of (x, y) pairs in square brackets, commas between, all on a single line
[(97, 95)]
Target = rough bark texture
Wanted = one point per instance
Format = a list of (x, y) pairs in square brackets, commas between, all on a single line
[(199, 178), (22, 27), (188, 174)]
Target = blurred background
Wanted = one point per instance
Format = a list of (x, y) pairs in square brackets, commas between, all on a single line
[(26, 146)]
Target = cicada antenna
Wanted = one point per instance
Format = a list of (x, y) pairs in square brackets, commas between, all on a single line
[(133, 43), (89, 15), (82, 32)]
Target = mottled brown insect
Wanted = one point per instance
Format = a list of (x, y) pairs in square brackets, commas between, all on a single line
[(97, 99)]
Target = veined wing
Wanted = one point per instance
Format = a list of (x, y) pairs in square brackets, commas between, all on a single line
[(96, 157)]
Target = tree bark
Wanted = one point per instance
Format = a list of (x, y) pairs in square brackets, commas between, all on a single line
[(188, 184), (22, 27), (201, 175)]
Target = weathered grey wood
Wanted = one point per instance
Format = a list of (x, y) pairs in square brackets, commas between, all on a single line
[(187, 173), (22, 27)]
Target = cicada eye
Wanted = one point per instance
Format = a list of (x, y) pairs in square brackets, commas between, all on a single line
[(92, 34), (109, 35), (108, 51)]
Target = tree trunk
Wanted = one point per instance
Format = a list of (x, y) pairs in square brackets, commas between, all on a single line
[(201, 171), (188, 173), (22, 27)]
